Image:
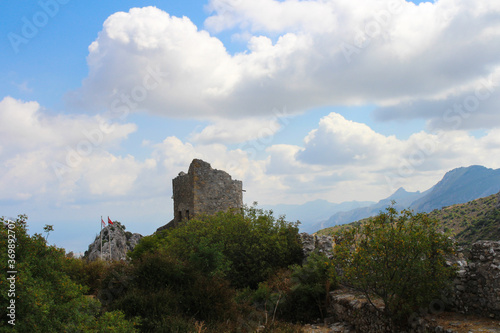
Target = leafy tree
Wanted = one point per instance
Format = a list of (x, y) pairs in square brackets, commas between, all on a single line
[(312, 283), (47, 229), (86, 273), (398, 257)]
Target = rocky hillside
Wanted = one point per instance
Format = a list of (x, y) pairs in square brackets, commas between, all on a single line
[(472, 221), (121, 242)]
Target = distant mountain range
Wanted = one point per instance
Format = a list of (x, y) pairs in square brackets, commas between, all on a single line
[(458, 186), (402, 198), (468, 222), (313, 212)]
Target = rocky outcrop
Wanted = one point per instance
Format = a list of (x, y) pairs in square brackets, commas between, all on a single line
[(321, 244), (121, 242)]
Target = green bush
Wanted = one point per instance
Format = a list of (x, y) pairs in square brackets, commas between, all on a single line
[(399, 258), (300, 293), (86, 273), (245, 247), (170, 294), (312, 283), (185, 277)]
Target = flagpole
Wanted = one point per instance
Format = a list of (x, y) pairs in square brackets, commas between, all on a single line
[(109, 234), (101, 237)]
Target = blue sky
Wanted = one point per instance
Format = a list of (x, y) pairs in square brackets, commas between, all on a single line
[(103, 103)]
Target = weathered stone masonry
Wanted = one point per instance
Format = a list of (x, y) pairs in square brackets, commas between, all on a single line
[(203, 190), (477, 285)]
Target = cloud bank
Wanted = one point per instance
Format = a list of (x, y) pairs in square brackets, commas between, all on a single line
[(65, 159), (300, 55)]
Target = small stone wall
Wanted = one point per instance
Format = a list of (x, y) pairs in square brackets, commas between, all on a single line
[(322, 244), (354, 308), (477, 286)]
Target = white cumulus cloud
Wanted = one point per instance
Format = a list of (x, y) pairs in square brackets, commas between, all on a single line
[(301, 54)]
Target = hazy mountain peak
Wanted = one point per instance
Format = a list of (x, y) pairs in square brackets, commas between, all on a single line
[(460, 185)]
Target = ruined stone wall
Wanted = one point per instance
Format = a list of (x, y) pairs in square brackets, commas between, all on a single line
[(183, 197), (321, 244), (477, 285), (205, 190), (354, 308), (214, 190)]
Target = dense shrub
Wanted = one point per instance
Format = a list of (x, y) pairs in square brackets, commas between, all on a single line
[(312, 283), (299, 294), (398, 257), (170, 294), (186, 277), (85, 273), (245, 247)]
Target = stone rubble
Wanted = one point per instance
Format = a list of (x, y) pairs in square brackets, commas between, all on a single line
[(353, 308)]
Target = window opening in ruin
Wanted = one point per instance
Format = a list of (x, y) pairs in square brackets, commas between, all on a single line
[(180, 215), (187, 214)]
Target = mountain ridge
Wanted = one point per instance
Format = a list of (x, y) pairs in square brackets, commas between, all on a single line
[(467, 223), (402, 198), (459, 185)]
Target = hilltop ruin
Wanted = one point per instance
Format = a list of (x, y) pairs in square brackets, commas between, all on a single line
[(203, 190)]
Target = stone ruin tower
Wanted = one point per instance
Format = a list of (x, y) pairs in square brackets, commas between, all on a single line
[(203, 190)]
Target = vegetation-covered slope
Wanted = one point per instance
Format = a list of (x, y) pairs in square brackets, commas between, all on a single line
[(472, 221), (468, 222)]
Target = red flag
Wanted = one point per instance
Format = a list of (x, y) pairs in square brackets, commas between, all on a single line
[(109, 221), (102, 222)]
